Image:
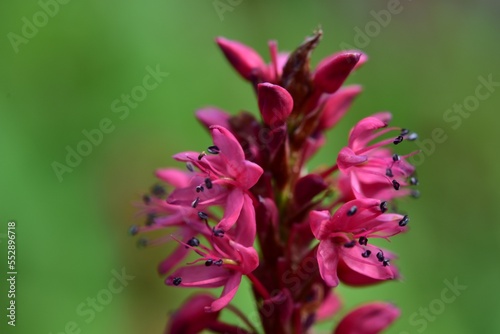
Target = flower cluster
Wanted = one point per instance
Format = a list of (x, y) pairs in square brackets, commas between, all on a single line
[(247, 204)]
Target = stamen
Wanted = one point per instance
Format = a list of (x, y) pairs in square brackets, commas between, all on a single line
[(396, 157), (363, 241), (146, 199), (415, 193), (404, 221), (202, 154), (396, 184), (208, 183), (380, 256), (384, 206), (350, 244), (202, 215), (193, 242), (413, 181), (352, 211), (398, 140), (194, 204), (150, 220), (404, 132), (388, 172), (218, 232), (385, 263), (412, 136), (189, 166), (176, 281), (218, 263), (209, 262), (133, 230), (158, 190), (213, 149), (199, 189), (366, 253), (142, 242)]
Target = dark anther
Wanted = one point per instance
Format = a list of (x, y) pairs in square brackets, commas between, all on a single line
[(146, 199), (384, 206), (199, 189), (396, 157), (395, 184), (352, 210), (208, 183), (150, 220), (413, 181), (363, 241), (380, 256), (388, 172), (218, 263), (177, 280), (189, 166), (133, 230), (218, 232), (415, 194), (412, 136), (142, 242), (201, 155), (366, 253), (404, 221), (404, 132), (385, 263), (398, 140), (213, 149), (202, 215), (194, 204), (350, 244), (158, 190), (209, 262), (193, 242)]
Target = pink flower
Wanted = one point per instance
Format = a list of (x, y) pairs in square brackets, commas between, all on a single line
[(371, 170), (224, 265), (368, 319), (344, 251), (194, 308), (226, 172)]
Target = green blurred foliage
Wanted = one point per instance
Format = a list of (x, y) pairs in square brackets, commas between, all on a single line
[(73, 234)]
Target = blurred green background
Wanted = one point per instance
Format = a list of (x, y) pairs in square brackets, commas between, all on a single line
[(63, 79)]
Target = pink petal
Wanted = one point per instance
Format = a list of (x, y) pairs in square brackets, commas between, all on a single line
[(337, 105), (317, 221), (174, 177), (369, 267), (245, 60), (363, 131), (348, 158), (213, 116), (234, 204), (328, 259), (368, 319), (330, 305), (275, 104), (246, 226), (227, 295), (331, 72), (172, 259), (194, 308)]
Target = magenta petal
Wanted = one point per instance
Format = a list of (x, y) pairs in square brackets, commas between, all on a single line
[(318, 221), (173, 259), (174, 177), (334, 70), (246, 226), (368, 319), (328, 259), (347, 158), (233, 206), (337, 105), (330, 305), (213, 116), (227, 295), (369, 267), (245, 60), (194, 308), (275, 104), (363, 130)]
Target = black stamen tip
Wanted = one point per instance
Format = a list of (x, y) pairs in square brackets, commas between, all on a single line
[(142, 242), (366, 253), (199, 189), (208, 183), (398, 140), (177, 281), (404, 221), (201, 155), (158, 190), (415, 193), (404, 132), (189, 166), (380, 256), (202, 215), (218, 232), (150, 220), (352, 210), (133, 230), (218, 263), (209, 262), (385, 263), (396, 184), (213, 149), (146, 199), (384, 206), (193, 242), (413, 181), (350, 244), (194, 204), (412, 136), (363, 241), (388, 172), (396, 157)]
